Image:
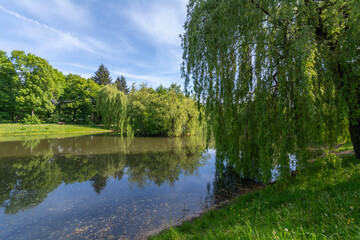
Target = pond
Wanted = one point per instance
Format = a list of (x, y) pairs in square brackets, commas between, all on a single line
[(104, 186)]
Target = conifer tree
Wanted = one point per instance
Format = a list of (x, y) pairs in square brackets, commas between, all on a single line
[(102, 76), (121, 84)]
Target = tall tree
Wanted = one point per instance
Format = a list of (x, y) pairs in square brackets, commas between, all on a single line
[(112, 105), (40, 83), (9, 87), (121, 84), (102, 76), (275, 77), (79, 94)]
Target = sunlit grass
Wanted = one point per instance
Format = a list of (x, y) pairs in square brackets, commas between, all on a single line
[(345, 147), (319, 203), (20, 129)]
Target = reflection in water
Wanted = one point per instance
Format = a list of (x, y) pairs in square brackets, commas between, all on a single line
[(228, 184), (106, 186), (27, 181)]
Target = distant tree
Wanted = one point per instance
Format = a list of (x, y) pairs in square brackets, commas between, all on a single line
[(121, 84), (164, 111), (161, 90), (102, 76), (112, 105), (176, 89), (133, 88), (39, 83), (9, 87), (79, 94)]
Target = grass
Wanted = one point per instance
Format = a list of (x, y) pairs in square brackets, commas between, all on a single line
[(345, 147), (321, 202), (38, 129)]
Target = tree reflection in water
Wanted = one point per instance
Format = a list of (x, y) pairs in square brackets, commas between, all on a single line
[(26, 181)]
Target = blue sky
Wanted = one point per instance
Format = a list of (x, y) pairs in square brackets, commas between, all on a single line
[(138, 39)]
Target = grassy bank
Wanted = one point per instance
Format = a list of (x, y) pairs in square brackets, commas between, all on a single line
[(37, 129), (321, 202)]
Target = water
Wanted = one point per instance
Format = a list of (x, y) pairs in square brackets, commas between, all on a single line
[(103, 186)]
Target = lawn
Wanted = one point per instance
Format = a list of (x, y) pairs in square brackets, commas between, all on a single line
[(37, 129), (320, 202)]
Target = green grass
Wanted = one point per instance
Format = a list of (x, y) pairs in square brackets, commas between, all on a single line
[(345, 147), (321, 202), (38, 129)]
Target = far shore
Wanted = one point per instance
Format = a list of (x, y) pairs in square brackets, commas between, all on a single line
[(18, 129)]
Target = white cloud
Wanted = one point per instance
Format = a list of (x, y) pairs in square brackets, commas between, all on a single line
[(142, 43), (162, 21)]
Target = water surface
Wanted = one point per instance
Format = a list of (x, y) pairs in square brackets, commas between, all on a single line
[(103, 186)]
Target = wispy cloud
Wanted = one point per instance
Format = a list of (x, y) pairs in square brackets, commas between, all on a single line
[(63, 39), (57, 11), (145, 78), (135, 38)]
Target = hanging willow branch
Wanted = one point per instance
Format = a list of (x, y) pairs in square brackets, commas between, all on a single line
[(112, 105), (274, 77)]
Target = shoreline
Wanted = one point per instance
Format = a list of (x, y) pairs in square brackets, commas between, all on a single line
[(276, 210), (193, 217)]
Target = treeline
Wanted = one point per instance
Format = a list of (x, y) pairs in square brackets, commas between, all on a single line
[(32, 91)]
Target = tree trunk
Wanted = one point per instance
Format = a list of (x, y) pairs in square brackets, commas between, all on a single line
[(354, 130), (353, 102), (74, 118), (17, 118), (32, 112)]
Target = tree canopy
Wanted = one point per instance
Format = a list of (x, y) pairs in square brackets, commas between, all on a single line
[(79, 94), (112, 105), (164, 111), (275, 76), (40, 83), (32, 92), (9, 87)]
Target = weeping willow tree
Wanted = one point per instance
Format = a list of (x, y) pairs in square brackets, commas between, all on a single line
[(112, 105), (275, 76)]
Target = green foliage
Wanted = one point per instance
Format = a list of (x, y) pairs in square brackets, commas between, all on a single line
[(163, 112), (79, 95), (102, 76), (121, 84), (331, 160), (274, 76), (40, 83), (9, 87), (112, 105), (28, 119), (30, 85)]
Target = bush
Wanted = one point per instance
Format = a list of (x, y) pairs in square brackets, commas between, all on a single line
[(4, 117), (331, 160), (28, 119), (55, 118)]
